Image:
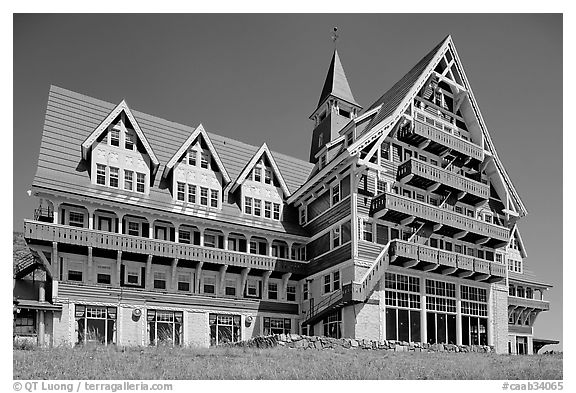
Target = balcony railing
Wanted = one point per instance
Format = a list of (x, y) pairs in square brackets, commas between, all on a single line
[(119, 242), (441, 132), (529, 303), (420, 252), (443, 176), (438, 215)]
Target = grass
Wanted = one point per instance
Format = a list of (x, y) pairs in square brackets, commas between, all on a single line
[(275, 363)]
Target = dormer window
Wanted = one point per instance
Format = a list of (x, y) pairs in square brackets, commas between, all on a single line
[(257, 174), (344, 113), (204, 160), (114, 137), (192, 157), (268, 176), (130, 141)]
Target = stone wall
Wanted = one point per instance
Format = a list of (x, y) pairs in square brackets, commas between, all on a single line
[(315, 342)]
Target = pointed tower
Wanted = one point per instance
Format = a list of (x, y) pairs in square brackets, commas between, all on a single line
[(335, 108)]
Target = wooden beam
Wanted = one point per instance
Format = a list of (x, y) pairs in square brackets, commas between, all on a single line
[(482, 277), (243, 279), (148, 282), (449, 270), (408, 221), (465, 274), (430, 266), (222, 272), (265, 278), (410, 263), (198, 275), (285, 278), (482, 240), (174, 281), (460, 234)]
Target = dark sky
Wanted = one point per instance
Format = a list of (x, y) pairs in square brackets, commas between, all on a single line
[(257, 78)]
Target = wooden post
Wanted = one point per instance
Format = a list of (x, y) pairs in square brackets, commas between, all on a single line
[(265, 278), (222, 283), (174, 281), (285, 278), (41, 328), (198, 275), (244, 278), (90, 266), (54, 261), (118, 268), (148, 282)]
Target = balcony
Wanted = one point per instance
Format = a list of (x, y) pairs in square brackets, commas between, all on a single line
[(427, 258), (428, 177), (47, 232), (437, 136), (398, 208), (536, 304)]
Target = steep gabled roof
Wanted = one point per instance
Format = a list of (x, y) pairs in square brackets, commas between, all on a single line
[(198, 131), (336, 83), (114, 113), (392, 103), (255, 158)]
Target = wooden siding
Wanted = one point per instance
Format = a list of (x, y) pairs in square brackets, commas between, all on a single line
[(330, 259), (318, 246), (320, 204), (330, 216), (87, 293), (368, 251)]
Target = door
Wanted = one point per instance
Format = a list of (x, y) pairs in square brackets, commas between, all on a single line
[(105, 224), (161, 233)]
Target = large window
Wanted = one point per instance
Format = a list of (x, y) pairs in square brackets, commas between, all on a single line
[(224, 328), (128, 180), (210, 284), (474, 309), (277, 326), (113, 182), (95, 324), (159, 280), (25, 322), (402, 299), (76, 219), (333, 324), (165, 327), (101, 174), (441, 312), (140, 182)]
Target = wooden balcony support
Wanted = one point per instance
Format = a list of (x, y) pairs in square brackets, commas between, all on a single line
[(465, 274), (149, 277), (482, 277), (198, 276), (174, 274), (410, 263), (90, 265), (482, 240), (244, 278), (408, 221), (429, 267), (285, 278), (460, 234), (118, 267), (222, 275), (434, 187), (449, 270), (461, 195), (265, 279)]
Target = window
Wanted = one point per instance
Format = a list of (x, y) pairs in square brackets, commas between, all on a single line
[(95, 324), (252, 288), (291, 293), (336, 281), (257, 207), (268, 176), (192, 157), (305, 291), (75, 272), (253, 247), (128, 180), (380, 187), (76, 219), (191, 193), (332, 324), (336, 194), (302, 215), (214, 198), (114, 137), (130, 140), (133, 228), (159, 280), (276, 211), (327, 284), (336, 239), (272, 291), (267, 209), (140, 181), (101, 174), (209, 284), (204, 160), (367, 231), (257, 174), (184, 282), (132, 276), (230, 289), (103, 276), (402, 299), (204, 196), (322, 160), (247, 205), (181, 191), (384, 151), (224, 328), (25, 322), (349, 138), (499, 258), (113, 177), (165, 326), (276, 326), (210, 240)]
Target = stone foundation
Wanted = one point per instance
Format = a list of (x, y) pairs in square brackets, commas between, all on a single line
[(315, 342)]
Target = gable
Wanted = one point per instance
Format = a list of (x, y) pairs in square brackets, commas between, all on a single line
[(121, 109), (198, 137)]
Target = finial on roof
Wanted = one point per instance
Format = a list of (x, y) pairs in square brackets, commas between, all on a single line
[(335, 35)]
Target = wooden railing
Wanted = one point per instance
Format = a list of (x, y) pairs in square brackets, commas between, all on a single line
[(438, 215), (404, 249), (127, 243), (441, 132), (443, 176)]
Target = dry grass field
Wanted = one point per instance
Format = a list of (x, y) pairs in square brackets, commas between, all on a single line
[(275, 363)]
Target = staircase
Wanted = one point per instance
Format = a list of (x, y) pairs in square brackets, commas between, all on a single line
[(26, 264)]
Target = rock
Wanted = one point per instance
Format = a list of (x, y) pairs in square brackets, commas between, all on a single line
[(353, 343), (399, 348), (295, 337), (281, 343), (317, 344)]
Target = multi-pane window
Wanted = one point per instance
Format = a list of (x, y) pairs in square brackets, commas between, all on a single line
[(209, 284), (252, 288), (402, 299), (95, 324), (247, 205), (184, 237), (132, 276), (101, 174), (181, 191), (192, 157), (75, 272), (336, 239), (76, 219), (336, 281), (257, 207), (230, 288), (214, 198), (224, 328), (336, 194), (128, 180), (385, 151), (380, 187), (204, 160), (130, 140), (184, 282), (165, 326), (25, 322), (159, 280), (267, 209), (268, 176), (291, 293), (114, 137), (332, 324), (277, 325), (276, 211), (327, 285), (272, 291), (305, 291), (331, 282), (113, 177), (257, 174), (191, 193), (140, 182), (367, 231), (103, 275), (133, 228), (204, 196), (474, 309), (441, 311)]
